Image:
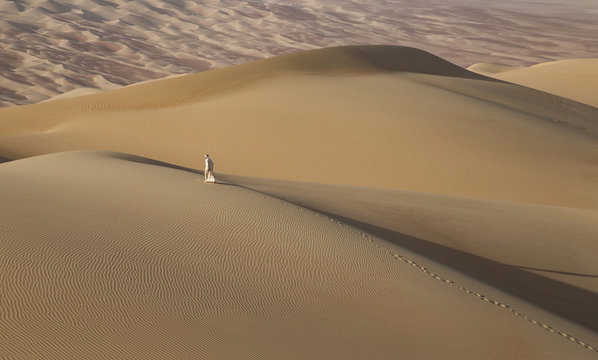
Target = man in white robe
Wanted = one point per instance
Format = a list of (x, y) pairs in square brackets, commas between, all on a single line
[(209, 171)]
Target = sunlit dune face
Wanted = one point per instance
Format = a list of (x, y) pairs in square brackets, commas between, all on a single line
[(51, 47)]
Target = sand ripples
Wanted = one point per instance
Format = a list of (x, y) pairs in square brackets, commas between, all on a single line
[(156, 264)]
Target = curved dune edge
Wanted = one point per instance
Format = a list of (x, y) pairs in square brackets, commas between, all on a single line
[(130, 259), (575, 79)]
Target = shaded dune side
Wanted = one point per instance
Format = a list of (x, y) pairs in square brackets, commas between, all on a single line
[(366, 59), (544, 255), (103, 264), (488, 69), (523, 100)]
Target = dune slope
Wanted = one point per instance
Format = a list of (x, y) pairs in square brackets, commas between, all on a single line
[(542, 254), (575, 79), (130, 258), (433, 212), (414, 121)]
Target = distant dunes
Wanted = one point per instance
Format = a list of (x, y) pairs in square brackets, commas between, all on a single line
[(51, 47), (372, 202)]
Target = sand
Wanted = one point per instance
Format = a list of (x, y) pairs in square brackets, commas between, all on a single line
[(575, 79), (386, 117), (529, 250), (129, 258), (50, 47), (373, 202)]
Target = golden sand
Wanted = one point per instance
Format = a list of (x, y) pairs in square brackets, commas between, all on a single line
[(575, 79), (433, 212)]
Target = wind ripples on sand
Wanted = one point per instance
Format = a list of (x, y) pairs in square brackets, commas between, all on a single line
[(132, 260), (92, 266)]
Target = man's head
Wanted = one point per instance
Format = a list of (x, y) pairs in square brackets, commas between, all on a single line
[(207, 156)]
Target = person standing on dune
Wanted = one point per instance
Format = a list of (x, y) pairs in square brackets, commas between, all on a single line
[(209, 171)]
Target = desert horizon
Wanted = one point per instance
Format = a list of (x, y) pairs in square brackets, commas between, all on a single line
[(420, 198)]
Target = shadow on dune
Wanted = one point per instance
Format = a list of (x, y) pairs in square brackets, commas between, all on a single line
[(148, 161), (367, 59), (4, 160), (402, 58), (555, 272), (567, 301), (570, 302)]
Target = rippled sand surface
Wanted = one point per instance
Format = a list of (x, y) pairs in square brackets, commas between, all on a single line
[(50, 47), (132, 259)]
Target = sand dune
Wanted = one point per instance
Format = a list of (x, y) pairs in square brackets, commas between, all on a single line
[(573, 79), (50, 47), (415, 121), (545, 255), (433, 212), (149, 262)]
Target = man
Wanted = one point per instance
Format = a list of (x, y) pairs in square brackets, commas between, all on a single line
[(209, 171)]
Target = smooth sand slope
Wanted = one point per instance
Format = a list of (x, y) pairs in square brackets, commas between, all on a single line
[(574, 79), (400, 156), (115, 256)]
